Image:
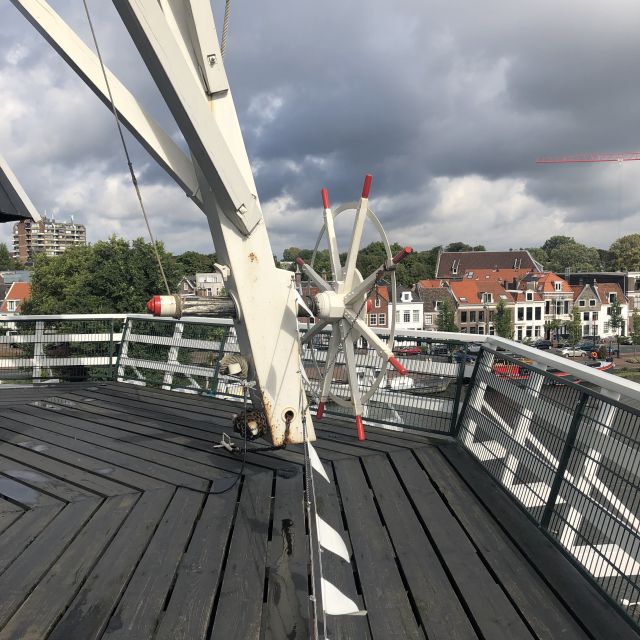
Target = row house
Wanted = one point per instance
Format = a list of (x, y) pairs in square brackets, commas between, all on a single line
[(433, 293), (17, 293), (557, 295), (594, 303), (476, 301), (409, 310), (378, 308), (528, 314)]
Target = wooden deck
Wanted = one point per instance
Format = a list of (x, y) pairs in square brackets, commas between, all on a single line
[(108, 530)]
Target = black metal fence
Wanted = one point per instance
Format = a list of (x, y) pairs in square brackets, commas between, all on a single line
[(570, 456)]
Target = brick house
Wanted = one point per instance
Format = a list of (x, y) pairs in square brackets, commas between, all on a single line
[(18, 292)]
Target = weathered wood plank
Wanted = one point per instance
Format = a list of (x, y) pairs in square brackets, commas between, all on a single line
[(189, 609), (287, 608), (62, 456), (336, 570), (7, 518), (442, 614), (48, 600), (543, 612), (9, 507), (239, 611), (34, 477), (18, 537), (90, 610), (137, 614), (492, 611), (576, 593), (26, 571), (25, 495), (388, 608)]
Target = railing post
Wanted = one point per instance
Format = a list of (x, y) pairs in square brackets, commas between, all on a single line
[(563, 462), (173, 356), (456, 401), (124, 349), (470, 391), (475, 396), (216, 370), (38, 350)]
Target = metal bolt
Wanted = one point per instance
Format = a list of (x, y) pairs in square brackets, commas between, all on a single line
[(242, 209), (212, 59)]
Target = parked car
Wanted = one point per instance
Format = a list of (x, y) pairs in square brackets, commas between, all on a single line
[(474, 347), (573, 352), (543, 344), (407, 351), (626, 340)]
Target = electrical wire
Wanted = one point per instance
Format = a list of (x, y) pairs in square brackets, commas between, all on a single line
[(124, 146)]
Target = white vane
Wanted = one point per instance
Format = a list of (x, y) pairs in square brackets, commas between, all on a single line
[(341, 306)]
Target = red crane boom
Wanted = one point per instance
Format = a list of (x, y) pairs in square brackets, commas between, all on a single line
[(591, 157)]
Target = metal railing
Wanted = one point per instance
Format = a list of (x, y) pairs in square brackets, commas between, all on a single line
[(568, 453)]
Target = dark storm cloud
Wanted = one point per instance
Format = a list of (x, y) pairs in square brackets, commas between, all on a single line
[(442, 102)]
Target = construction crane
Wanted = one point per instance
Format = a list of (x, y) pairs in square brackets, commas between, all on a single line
[(591, 157)]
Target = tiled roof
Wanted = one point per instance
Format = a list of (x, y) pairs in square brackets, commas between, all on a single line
[(469, 291), (432, 283), (547, 280), (18, 291), (473, 260), (605, 288)]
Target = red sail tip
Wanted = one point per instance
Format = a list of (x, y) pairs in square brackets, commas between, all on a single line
[(154, 305), (367, 185), (360, 428), (320, 410), (325, 198), (397, 366), (300, 261), (401, 255)]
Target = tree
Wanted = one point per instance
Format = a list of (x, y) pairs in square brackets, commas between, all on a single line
[(446, 317), (112, 276), (539, 255), (554, 242), (7, 263), (574, 256), (191, 262), (634, 330), (574, 327), (456, 247), (502, 322), (616, 321), (625, 253)]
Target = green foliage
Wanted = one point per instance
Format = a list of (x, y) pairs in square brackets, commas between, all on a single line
[(191, 262), (446, 317), (634, 329), (554, 242), (7, 263), (539, 255), (502, 321), (616, 321), (112, 276), (572, 255), (625, 253), (456, 247), (574, 327)]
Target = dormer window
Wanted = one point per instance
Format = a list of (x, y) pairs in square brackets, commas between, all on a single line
[(612, 298), (558, 286), (487, 298), (406, 296), (529, 296), (454, 267)]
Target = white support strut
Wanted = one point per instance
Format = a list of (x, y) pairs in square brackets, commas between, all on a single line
[(177, 42)]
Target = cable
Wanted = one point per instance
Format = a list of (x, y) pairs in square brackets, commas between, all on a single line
[(225, 27), (124, 146)]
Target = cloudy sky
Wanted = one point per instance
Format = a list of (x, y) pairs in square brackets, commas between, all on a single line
[(447, 104)]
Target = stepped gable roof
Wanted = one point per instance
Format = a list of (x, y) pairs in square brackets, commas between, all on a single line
[(453, 264), (470, 291), (547, 281), (400, 290)]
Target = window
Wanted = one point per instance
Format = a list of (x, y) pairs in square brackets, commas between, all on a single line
[(581, 303), (382, 319), (428, 318), (487, 297), (406, 296), (373, 320), (592, 302), (529, 313), (437, 305), (463, 316), (612, 298), (377, 303), (472, 316), (566, 307), (585, 330), (547, 308), (406, 316), (416, 315), (529, 296), (557, 286), (397, 316), (585, 315), (538, 313), (520, 313), (594, 315), (454, 267), (11, 305)]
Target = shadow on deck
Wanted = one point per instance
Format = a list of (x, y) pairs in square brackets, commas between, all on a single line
[(107, 530)]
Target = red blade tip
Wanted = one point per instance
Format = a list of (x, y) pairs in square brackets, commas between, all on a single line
[(397, 366), (325, 198), (154, 305), (360, 428), (367, 185), (300, 261), (320, 410)]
